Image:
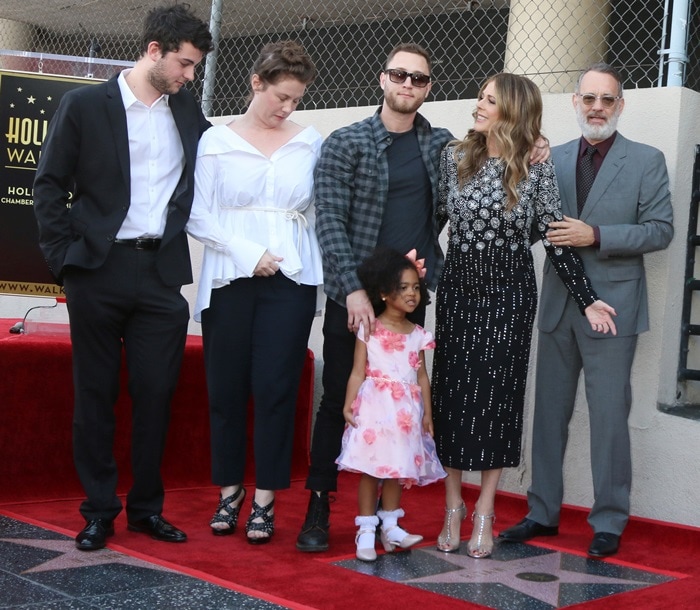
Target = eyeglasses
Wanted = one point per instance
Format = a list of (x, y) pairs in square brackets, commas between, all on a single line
[(400, 76), (608, 101)]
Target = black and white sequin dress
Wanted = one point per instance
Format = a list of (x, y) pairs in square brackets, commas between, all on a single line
[(486, 302)]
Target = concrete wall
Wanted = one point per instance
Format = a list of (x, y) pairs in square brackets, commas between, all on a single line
[(666, 482)]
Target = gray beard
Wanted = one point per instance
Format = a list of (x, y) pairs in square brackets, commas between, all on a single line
[(597, 133)]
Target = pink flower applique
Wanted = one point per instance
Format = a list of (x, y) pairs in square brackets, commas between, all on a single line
[(393, 342), (369, 436), (381, 330), (414, 360), (418, 460), (397, 390), (430, 345), (404, 421), (387, 472), (416, 394), (382, 384)]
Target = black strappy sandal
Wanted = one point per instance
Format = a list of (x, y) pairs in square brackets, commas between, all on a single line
[(230, 515), (267, 526)]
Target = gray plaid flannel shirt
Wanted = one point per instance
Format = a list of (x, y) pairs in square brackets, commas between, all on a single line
[(351, 182)]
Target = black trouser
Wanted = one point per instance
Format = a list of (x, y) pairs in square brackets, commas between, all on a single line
[(123, 306), (255, 335)]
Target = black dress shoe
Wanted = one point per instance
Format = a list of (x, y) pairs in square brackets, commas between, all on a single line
[(527, 529), (158, 528), (94, 535), (604, 545)]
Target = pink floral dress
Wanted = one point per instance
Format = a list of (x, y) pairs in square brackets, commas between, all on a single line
[(389, 441)]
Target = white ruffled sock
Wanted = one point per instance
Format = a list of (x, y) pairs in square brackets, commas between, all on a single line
[(390, 526), (366, 533)]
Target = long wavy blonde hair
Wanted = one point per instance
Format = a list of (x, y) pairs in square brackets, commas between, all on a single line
[(514, 134)]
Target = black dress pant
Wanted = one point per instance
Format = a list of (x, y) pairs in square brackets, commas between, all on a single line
[(255, 333), (123, 306)]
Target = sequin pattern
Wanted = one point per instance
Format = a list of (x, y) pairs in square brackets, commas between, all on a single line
[(486, 302)]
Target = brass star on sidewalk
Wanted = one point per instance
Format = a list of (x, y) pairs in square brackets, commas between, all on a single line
[(539, 577)]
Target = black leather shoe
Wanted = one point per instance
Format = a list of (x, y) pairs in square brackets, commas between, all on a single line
[(158, 528), (604, 545), (527, 529), (94, 535), (313, 537)]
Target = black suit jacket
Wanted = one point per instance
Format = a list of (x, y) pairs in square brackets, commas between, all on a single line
[(86, 152)]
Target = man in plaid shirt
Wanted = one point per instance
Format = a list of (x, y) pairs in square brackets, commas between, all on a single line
[(376, 184)]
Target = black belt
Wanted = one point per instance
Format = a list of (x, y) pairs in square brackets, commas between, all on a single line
[(140, 243)]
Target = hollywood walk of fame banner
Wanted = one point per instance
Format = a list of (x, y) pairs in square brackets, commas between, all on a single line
[(27, 103)]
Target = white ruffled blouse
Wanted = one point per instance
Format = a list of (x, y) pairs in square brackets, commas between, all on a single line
[(256, 203)]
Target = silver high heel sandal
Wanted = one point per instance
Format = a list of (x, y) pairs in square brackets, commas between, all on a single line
[(483, 547), (445, 543), (391, 534)]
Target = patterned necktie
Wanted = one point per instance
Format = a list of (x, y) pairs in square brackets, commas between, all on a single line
[(585, 175)]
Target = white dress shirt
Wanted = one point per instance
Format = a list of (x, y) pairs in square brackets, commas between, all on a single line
[(156, 161), (261, 203)]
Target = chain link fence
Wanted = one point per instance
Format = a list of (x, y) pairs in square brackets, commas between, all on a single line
[(548, 40)]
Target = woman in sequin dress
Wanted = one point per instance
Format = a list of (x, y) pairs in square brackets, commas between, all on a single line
[(496, 205)]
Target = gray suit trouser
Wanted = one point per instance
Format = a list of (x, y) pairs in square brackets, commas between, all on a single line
[(607, 364)]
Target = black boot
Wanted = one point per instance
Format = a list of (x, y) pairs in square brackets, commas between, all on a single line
[(314, 533)]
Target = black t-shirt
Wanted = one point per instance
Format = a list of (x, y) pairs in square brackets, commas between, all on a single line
[(407, 221)]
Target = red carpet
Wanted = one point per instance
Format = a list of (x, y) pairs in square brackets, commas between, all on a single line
[(36, 412), (38, 484), (280, 573)]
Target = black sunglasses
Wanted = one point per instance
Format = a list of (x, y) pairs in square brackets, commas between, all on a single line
[(400, 76)]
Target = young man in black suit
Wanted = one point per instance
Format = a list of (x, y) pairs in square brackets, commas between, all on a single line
[(112, 195)]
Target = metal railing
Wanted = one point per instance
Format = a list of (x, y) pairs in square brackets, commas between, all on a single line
[(690, 331)]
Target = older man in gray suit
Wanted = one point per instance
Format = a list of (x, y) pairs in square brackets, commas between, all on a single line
[(617, 207)]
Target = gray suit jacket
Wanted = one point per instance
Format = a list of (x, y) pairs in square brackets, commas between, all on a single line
[(631, 204)]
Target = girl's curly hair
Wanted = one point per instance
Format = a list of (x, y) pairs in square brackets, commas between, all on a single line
[(380, 274)]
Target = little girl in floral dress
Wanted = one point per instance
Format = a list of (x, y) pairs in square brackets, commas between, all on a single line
[(387, 405)]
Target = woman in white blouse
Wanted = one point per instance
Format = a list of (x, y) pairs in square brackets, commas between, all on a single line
[(257, 298)]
